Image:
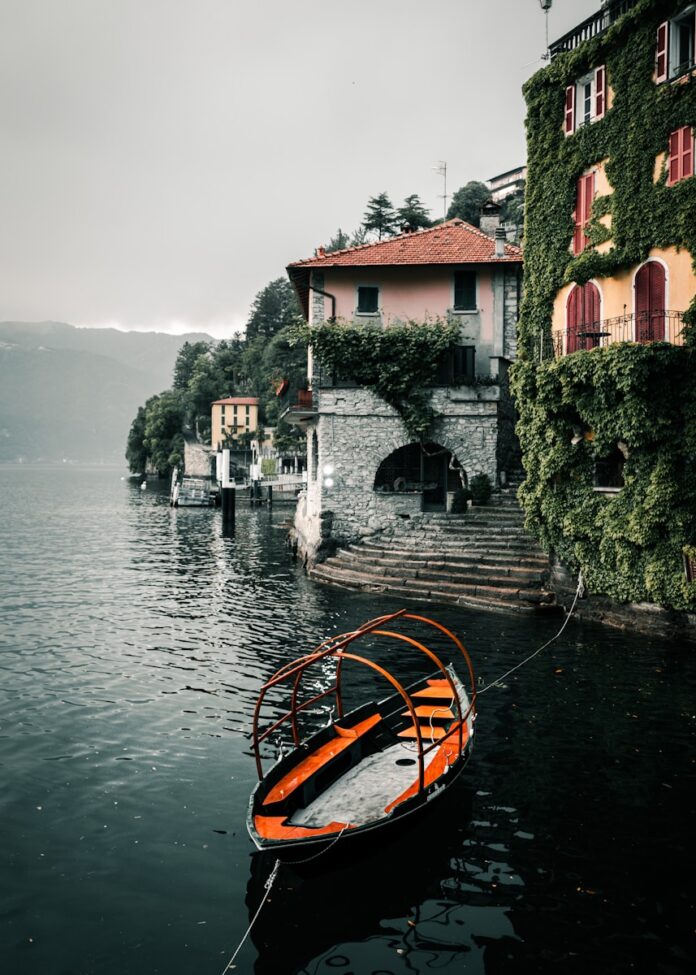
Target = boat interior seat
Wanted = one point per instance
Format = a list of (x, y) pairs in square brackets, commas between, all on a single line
[(332, 758)]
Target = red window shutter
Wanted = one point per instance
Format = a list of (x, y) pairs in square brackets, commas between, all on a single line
[(577, 218), (600, 91), (661, 60), (687, 152), (643, 304), (591, 305), (573, 318), (674, 154), (569, 122)]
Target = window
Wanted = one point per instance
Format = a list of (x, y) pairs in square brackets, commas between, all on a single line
[(582, 318), (465, 290), (368, 300), (681, 154), (608, 473), (583, 209), (650, 291), (674, 54), (586, 100), (457, 367)]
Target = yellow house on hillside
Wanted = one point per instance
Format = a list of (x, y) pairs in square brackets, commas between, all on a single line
[(232, 416)]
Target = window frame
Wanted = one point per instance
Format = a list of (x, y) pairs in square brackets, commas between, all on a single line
[(590, 88), (366, 287), (668, 63), (464, 309)]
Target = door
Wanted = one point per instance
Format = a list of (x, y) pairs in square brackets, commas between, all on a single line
[(582, 317), (434, 478), (650, 303)]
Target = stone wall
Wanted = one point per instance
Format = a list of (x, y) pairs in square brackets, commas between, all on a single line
[(357, 431), (511, 303)]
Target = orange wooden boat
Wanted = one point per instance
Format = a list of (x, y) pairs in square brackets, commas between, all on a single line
[(369, 768)]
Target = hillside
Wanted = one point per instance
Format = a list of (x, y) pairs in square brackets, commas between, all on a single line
[(72, 393)]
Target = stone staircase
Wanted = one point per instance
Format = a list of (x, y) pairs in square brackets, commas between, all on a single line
[(483, 558)]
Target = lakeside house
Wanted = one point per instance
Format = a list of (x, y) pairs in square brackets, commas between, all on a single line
[(231, 417), (605, 384), (365, 474)]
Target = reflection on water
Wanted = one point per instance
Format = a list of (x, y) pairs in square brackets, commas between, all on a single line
[(133, 641)]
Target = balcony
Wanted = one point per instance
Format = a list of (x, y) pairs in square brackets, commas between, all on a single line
[(592, 27), (301, 410), (645, 327)]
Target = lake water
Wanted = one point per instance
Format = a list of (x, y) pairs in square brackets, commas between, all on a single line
[(133, 640)]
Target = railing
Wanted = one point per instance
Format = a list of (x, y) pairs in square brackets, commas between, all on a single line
[(591, 27), (644, 327)]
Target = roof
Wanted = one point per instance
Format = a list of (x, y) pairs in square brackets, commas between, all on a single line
[(237, 401), (452, 242)]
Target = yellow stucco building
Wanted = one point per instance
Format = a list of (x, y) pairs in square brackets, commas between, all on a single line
[(232, 416)]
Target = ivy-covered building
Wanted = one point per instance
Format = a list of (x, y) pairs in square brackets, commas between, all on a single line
[(605, 379), (410, 339)]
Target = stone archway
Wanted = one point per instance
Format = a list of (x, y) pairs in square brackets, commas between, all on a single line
[(430, 470)]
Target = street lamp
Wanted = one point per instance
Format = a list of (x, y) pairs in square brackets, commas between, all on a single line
[(546, 6)]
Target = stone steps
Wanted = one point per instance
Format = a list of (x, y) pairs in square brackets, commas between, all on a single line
[(482, 558), (485, 596), (421, 556), (434, 561), (475, 574)]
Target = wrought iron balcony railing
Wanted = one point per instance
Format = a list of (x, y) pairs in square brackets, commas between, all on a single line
[(662, 326), (591, 27)]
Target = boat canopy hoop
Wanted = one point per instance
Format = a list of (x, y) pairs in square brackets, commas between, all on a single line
[(293, 672)]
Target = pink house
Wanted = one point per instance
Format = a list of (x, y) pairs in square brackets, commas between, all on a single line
[(376, 478)]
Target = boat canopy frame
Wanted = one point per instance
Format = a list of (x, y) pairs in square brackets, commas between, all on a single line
[(337, 647)]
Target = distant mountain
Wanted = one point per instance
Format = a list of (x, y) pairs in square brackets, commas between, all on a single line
[(72, 393)]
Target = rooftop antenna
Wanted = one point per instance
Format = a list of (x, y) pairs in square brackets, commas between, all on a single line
[(546, 6), (441, 170)]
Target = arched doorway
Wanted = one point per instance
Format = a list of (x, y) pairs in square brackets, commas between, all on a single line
[(651, 289), (426, 469), (582, 317)]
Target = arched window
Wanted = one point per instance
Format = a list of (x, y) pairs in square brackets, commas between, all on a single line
[(650, 302), (582, 317)]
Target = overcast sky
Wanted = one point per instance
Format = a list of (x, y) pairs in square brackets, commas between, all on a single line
[(163, 160)]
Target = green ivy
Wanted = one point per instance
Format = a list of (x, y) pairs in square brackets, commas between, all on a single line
[(629, 546), (397, 363)]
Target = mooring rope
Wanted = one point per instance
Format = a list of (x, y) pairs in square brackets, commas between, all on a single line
[(496, 683), (269, 883)]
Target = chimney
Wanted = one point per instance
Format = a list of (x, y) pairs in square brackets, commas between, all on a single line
[(490, 217), (320, 251), (500, 238)]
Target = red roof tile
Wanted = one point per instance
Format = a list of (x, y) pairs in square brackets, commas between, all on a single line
[(453, 242), (237, 401)]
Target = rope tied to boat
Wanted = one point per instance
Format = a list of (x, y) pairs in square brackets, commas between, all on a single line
[(268, 884), (496, 683)]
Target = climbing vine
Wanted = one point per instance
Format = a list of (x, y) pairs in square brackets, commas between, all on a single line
[(397, 363), (629, 546)]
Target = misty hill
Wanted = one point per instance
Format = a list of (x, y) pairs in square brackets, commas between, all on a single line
[(72, 393)]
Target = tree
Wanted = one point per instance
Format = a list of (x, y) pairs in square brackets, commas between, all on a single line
[(273, 308), (413, 214), (512, 211), (338, 242), (186, 361), (467, 202), (380, 216), (163, 439), (136, 452)]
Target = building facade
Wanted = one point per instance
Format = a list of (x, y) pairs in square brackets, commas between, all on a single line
[(365, 473), (605, 381), (231, 417)]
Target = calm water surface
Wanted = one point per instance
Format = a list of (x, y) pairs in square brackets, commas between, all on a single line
[(133, 639)]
